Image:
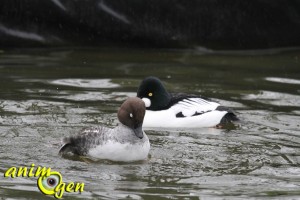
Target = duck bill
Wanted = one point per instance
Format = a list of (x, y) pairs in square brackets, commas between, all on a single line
[(138, 131)]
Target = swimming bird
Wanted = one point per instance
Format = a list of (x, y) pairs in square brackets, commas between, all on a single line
[(179, 110), (126, 142)]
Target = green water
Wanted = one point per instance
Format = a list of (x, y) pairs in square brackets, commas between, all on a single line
[(48, 94)]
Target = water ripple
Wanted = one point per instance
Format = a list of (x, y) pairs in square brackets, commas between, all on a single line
[(283, 80), (274, 98), (85, 83)]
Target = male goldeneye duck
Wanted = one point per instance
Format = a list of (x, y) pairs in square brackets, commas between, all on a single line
[(126, 142), (178, 110)]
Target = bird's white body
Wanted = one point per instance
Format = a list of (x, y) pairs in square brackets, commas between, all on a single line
[(116, 151), (206, 115)]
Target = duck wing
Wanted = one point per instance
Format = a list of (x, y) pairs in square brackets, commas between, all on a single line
[(85, 140), (192, 106)]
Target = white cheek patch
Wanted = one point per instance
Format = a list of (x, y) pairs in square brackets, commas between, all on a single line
[(147, 102)]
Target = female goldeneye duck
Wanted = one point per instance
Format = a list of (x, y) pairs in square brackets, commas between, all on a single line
[(178, 110), (126, 142)]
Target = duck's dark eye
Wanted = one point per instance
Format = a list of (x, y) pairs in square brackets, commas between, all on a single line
[(131, 115), (150, 94)]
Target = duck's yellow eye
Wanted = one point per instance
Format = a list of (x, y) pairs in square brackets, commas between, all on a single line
[(47, 184), (150, 94)]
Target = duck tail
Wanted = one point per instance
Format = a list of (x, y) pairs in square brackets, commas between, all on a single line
[(229, 117), (67, 147)]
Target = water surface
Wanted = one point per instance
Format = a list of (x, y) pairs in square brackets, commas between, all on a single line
[(46, 94)]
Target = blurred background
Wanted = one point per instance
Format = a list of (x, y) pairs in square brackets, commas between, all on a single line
[(213, 24), (67, 64)]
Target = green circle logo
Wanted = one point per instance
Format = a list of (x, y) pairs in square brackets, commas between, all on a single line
[(47, 184)]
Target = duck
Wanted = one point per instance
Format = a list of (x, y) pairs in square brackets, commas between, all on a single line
[(126, 142), (180, 110)]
